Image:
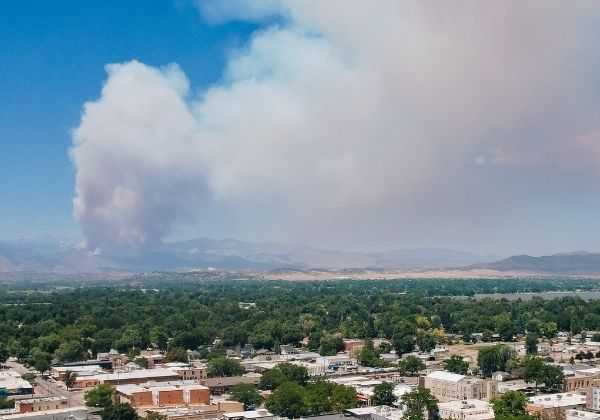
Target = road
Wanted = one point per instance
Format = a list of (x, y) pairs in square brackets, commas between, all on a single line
[(44, 387)]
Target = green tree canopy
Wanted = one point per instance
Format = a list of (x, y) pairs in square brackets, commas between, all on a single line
[(288, 400), (411, 365), (247, 394), (119, 411), (417, 402), (176, 354), (383, 394), (495, 358), (222, 366), (511, 404), (101, 396), (456, 364)]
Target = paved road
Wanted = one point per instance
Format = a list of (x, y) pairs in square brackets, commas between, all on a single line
[(44, 387)]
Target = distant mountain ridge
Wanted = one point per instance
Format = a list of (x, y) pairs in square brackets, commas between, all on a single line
[(66, 256), (579, 262)]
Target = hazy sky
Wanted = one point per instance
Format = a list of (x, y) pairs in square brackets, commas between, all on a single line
[(348, 124)]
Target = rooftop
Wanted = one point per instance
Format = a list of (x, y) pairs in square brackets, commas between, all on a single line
[(564, 399), (446, 376)]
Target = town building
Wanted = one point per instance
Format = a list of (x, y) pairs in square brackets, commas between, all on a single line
[(11, 383), (549, 403), (466, 410), (446, 386), (164, 395), (40, 404), (249, 415), (581, 415), (73, 413), (375, 412)]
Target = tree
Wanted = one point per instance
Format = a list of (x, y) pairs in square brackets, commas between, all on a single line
[(417, 402), (456, 364), (288, 400), (552, 376), (284, 372), (28, 376), (403, 344), (583, 337), (330, 345), (142, 362), (383, 394), (532, 367), (495, 358), (153, 415), (119, 411), (425, 341), (384, 347), (368, 354), (69, 379), (343, 397), (69, 351), (3, 353), (176, 354), (101, 396), (511, 404), (222, 366), (531, 343), (411, 365), (317, 397), (247, 394)]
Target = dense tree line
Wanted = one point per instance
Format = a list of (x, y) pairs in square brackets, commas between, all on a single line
[(72, 323)]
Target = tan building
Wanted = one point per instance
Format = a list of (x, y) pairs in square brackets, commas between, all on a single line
[(549, 403), (40, 404), (580, 382), (466, 410), (446, 386), (165, 395)]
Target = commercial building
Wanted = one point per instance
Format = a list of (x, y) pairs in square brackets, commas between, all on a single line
[(11, 383), (249, 415), (466, 410), (446, 386), (163, 395), (581, 415), (73, 413), (544, 404), (375, 412), (40, 404), (593, 398), (219, 385), (137, 376)]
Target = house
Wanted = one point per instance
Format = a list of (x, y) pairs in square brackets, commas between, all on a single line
[(466, 410), (446, 386), (287, 349), (501, 376)]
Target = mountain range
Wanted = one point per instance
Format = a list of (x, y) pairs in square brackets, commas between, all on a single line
[(67, 256), (51, 255)]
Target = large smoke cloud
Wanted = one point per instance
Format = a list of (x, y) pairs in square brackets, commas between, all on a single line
[(381, 122)]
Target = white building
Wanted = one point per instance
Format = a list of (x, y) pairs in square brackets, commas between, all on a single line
[(376, 412), (73, 413), (581, 415), (466, 410)]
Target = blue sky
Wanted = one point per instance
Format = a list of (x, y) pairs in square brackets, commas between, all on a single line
[(53, 56), (343, 124)]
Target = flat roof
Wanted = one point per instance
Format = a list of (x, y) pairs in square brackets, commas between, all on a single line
[(41, 399), (446, 376), (136, 374), (563, 399), (253, 414)]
